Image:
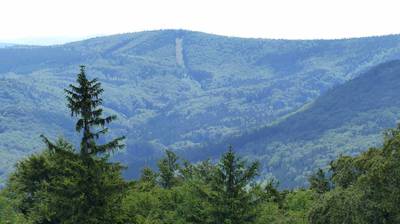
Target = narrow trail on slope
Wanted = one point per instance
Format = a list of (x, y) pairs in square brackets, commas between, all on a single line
[(179, 52)]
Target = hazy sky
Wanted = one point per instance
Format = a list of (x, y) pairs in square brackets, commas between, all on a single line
[(291, 19)]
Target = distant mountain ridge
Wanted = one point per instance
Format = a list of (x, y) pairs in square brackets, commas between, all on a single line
[(174, 89), (2, 45)]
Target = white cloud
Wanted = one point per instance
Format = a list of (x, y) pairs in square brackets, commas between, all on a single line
[(291, 19)]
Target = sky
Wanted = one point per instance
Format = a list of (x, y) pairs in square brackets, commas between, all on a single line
[(58, 21)]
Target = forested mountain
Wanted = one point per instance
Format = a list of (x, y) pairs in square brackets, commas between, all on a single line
[(184, 91), (68, 184), (345, 120)]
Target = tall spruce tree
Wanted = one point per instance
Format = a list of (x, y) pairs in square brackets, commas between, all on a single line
[(79, 188), (84, 102), (231, 201)]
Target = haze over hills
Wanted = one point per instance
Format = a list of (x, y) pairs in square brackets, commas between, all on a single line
[(45, 41), (2, 45), (186, 90)]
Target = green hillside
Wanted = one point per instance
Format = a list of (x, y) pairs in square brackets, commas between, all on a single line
[(344, 120), (175, 89)]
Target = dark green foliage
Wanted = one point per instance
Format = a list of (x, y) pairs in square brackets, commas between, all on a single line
[(367, 187), (84, 101), (8, 214), (319, 182), (60, 186), (272, 194), (47, 188), (338, 207), (206, 193), (230, 200), (168, 168), (221, 193), (344, 171), (148, 179), (293, 208)]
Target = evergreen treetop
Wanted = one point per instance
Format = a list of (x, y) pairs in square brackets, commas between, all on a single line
[(84, 101)]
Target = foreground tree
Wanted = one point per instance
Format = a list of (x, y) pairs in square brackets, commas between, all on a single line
[(367, 187), (56, 186), (230, 198), (318, 182), (84, 101), (62, 185), (8, 213), (168, 168)]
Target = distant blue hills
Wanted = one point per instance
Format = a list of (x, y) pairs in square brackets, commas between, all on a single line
[(293, 105)]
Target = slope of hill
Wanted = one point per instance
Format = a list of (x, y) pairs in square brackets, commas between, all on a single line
[(174, 89), (345, 120)]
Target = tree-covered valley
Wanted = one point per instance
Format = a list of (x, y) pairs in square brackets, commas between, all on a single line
[(294, 105), (79, 184), (65, 184)]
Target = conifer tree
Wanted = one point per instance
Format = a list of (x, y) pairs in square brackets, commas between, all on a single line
[(83, 188), (168, 167), (231, 201), (84, 102), (148, 179), (272, 193), (60, 186), (319, 182)]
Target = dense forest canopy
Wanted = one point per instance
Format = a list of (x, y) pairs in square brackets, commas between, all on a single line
[(65, 184), (195, 93), (338, 122)]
